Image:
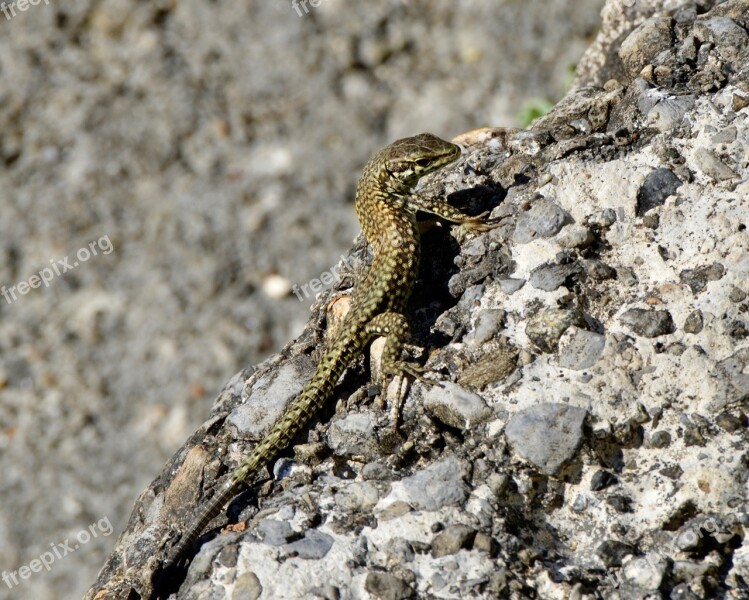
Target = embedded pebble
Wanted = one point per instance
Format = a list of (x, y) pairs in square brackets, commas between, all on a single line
[(601, 219), (456, 406), (269, 397), (436, 486), (488, 323), (546, 327), (353, 435), (575, 236), (658, 185), (510, 286), (660, 439), (669, 112), (698, 278), (357, 496), (712, 166), (580, 349), (693, 323), (550, 277), (648, 323), (452, 539), (543, 219), (646, 573), (547, 435), (385, 586), (275, 533), (598, 270), (247, 587), (613, 552), (314, 545), (601, 480), (647, 40)]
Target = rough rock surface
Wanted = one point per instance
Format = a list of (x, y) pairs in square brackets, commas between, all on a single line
[(450, 511)]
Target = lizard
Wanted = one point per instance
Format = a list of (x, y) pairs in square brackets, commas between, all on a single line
[(386, 209)]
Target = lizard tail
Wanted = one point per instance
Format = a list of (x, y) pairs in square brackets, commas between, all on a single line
[(317, 391), (212, 509)]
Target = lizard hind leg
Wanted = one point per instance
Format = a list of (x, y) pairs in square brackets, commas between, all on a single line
[(394, 326)]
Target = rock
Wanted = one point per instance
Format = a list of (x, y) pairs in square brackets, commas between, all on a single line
[(621, 504), (693, 323), (712, 166), (647, 40), (613, 552), (546, 327), (601, 219), (739, 102), (682, 592), (313, 546), (455, 406), (697, 279), (550, 277), (575, 236), (488, 323), (247, 587), (658, 185), (601, 480), (452, 539), (393, 511), (547, 435), (436, 486), (668, 114), (626, 276), (385, 586), (377, 471), (269, 397), (660, 439), (275, 533), (688, 539), (729, 422), (544, 219), (735, 372), (580, 504), (674, 472), (645, 573), (493, 368), (648, 323), (357, 496), (412, 486), (510, 286), (737, 295), (725, 33), (485, 543), (598, 270), (580, 349), (354, 434)]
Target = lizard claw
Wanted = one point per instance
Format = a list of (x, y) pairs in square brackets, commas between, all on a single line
[(481, 223)]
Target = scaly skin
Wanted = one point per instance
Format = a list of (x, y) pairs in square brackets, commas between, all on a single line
[(387, 212)]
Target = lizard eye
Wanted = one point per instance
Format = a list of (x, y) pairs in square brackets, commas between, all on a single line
[(423, 162)]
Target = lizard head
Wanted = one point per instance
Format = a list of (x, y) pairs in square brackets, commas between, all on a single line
[(408, 159)]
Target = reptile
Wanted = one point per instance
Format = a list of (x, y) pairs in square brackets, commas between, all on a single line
[(386, 209)]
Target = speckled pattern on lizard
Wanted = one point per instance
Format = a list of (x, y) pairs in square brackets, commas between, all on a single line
[(387, 210)]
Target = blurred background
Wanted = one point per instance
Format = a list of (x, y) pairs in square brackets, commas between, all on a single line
[(168, 171)]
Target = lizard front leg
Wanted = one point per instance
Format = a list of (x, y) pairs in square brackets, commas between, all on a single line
[(443, 210)]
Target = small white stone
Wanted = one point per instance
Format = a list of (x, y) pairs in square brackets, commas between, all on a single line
[(276, 287)]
